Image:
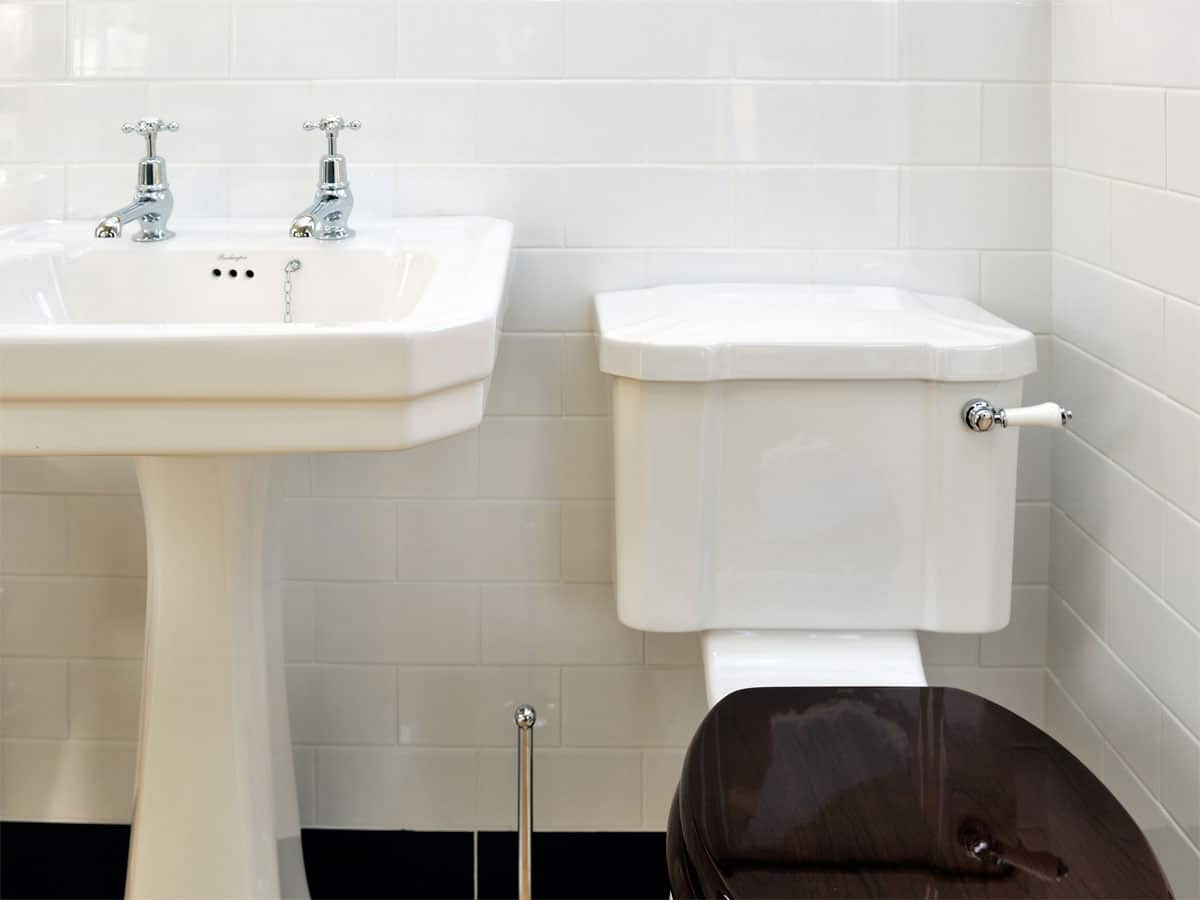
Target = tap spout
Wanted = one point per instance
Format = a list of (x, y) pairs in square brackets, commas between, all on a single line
[(150, 209), (327, 218)]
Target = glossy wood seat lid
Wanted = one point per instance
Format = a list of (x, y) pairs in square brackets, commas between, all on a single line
[(894, 792)]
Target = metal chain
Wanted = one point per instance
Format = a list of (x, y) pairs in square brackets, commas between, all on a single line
[(292, 266)]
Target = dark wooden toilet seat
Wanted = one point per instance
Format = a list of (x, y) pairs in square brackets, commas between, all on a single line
[(894, 793)]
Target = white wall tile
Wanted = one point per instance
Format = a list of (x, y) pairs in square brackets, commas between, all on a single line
[(487, 39), (1082, 35), (500, 541), (1180, 792), (646, 39), (575, 789), (33, 41), (1082, 216), (973, 41), (105, 699), (1016, 124), (105, 536), (393, 787), (1018, 287), (90, 617), (648, 207), (527, 379), (1031, 544), (1181, 564), (553, 290), (747, 266), (438, 122), (1151, 45), (543, 458), (28, 193), (1150, 238), (660, 778), (342, 704), (555, 624), (473, 707), (664, 648), (224, 122), (72, 781), (1068, 725), (561, 122), (445, 468), (953, 273), (991, 209), (288, 39), (68, 475), (586, 390), (628, 707), (831, 39), (1107, 692), (1182, 364), (1111, 506), (408, 623), (332, 539), (1023, 642), (33, 534), (298, 604), (587, 538), (1183, 141), (33, 698), (687, 123), (773, 122), (817, 207), (532, 198), (149, 39), (1112, 318)]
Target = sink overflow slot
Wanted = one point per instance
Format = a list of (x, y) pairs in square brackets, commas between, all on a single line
[(293, 265)]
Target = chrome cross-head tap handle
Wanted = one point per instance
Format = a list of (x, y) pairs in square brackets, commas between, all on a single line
[(332, 126), (149, 129), (152, 201), (327, 218)]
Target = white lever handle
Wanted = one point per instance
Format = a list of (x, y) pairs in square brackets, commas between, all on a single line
[(981, 416), (1044, 415)]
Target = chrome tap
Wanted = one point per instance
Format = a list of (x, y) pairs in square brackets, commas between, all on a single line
[(152, 203), (327, 218)]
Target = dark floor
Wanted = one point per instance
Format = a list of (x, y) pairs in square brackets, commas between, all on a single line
[(88, 861)]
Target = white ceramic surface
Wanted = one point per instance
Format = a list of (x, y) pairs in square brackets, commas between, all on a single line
[(794, 458), (161, 352), (729, 332), (119, 348)]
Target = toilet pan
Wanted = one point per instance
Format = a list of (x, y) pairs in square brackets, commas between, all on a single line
[(894, 792)]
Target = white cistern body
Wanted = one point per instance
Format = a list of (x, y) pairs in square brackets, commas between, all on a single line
[(794, 478)]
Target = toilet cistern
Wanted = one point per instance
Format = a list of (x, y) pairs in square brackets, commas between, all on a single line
[(327, 218), (756, 502), (152, 202)]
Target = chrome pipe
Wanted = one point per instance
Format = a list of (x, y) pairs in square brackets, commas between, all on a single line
[(525, 718)]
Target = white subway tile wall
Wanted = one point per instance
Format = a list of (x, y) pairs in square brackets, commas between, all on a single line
[(1123, 690), (644, 141)]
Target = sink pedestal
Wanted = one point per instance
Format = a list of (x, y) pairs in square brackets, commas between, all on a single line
[(215, 811)]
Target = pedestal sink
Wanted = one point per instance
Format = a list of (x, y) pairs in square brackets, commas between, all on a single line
[(193, 356)]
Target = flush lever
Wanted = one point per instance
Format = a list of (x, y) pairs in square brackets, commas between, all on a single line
[(977, 840), (980, 415)]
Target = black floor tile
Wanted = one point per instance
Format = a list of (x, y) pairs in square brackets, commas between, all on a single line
[(577, 866), (41, 860), (364, 865)]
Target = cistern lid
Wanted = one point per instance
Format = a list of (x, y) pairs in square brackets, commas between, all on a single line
[(896, 793), (725, 332)]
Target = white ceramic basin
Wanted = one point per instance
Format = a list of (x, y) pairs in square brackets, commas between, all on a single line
[(115, 347)]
